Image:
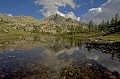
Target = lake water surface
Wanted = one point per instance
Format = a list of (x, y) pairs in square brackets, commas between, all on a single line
[(50, 54)]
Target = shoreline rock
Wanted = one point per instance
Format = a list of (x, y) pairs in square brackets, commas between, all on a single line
[(98, 40)]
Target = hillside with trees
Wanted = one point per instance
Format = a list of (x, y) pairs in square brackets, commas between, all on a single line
[(110, 27), (56, 25)]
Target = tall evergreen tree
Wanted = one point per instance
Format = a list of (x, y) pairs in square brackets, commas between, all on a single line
[(112, 21), (90, 25), (116, 17)]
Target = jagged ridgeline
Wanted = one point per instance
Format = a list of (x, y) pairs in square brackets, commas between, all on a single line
[(52, 24)]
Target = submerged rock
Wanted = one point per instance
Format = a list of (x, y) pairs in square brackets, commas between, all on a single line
[(88, 73)]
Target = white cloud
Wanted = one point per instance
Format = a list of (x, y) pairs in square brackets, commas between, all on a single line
[(78, 18), (62, 14), (95, 10), (104, 12), (51, 7), (71, 15), (9, 14)]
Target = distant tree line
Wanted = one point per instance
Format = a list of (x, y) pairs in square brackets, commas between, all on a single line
[(110, 27), (104, 28)]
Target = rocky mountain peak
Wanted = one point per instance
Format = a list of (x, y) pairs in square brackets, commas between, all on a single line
[(58, 19), (55, 17)]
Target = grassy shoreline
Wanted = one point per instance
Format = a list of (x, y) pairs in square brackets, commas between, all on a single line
[(111, 37), (93, 35)]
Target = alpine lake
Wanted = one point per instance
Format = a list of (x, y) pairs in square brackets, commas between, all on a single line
[(56, 57)]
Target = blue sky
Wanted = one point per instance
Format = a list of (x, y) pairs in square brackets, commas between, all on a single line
[(20, 7), (29, 8), (43, 8)]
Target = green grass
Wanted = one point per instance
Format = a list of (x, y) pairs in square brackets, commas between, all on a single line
[(87, 34), (111, 37), (12, 34), (84, 35)]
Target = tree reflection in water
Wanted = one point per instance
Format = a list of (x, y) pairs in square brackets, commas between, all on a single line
[(112, 49)]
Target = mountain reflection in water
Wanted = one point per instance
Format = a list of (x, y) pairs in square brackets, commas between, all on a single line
[(51, 54)]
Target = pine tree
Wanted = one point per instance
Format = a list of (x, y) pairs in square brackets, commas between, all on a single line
[(112, 21), (116, 17), (90, 25)]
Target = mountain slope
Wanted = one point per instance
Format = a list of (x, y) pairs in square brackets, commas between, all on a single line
[(52, 24), (56, 23), (17, 18), (60, 20)]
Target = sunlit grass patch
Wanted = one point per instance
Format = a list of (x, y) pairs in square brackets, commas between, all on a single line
[(112, 37), (87, 34)]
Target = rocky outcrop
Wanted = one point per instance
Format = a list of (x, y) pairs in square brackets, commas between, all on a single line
[(97, 40)]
